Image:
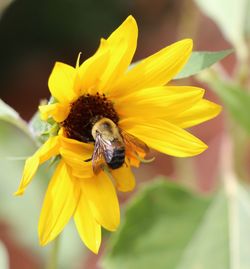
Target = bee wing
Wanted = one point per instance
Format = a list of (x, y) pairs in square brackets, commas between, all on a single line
[(133, 143), (103, 153), (98, 159)]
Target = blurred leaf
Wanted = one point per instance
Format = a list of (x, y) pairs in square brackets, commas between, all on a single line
[(211, 236), (159, 224), (167, 227), (237, 101), (201, 60), (4, 260), (235, 98), (8, 114), (22, 213), (224, 233), (230, 16)]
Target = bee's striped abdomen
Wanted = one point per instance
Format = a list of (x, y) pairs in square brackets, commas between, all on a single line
[(118, 158)]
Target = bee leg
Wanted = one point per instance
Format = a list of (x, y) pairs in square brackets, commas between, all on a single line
[(144, 160), (88, 160), (126, 163)]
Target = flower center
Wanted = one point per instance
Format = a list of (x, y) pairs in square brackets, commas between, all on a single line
[(84, 113)]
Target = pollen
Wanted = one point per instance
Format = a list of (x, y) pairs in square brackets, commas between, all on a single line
[(84, 113)]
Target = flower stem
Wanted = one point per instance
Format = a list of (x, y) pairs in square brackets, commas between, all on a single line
[(53, 257)]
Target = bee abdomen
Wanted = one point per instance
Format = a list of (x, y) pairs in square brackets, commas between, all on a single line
[(118, 158)]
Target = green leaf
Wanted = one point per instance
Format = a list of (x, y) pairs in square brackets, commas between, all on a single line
[(235, 98), (8, 114), (40, 129), (4, 260), (159, 224), (22, 213), (224, 233), (230, 16), (167, 227), (211, 237), (201, 60)]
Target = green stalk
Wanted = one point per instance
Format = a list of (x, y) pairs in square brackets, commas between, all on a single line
[(53, 257)]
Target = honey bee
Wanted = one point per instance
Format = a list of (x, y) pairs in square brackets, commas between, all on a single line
[(111, 144)]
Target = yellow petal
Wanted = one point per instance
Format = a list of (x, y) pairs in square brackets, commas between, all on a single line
[(80, 168), (133, 161), (76, 146), (163, 101), (156, 70), (75, 154), (91, 71), (62, 81), (59, 204), (164, 137), (202, 111), (58, 111), (124, 178), (46, 151), (103, 201), (88, 229), (122, 45)]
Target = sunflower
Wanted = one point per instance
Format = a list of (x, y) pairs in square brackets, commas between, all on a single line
[(136, 100)]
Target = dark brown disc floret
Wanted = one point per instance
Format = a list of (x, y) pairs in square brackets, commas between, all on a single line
[(84, 113)]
